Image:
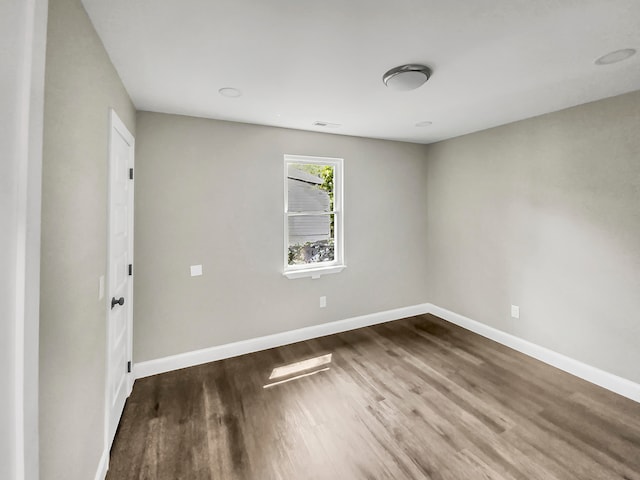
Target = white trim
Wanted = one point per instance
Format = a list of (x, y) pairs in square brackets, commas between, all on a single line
[(314, 272), (25, 122), (103, 466), (609, 381), (198, 357), (132, 186), (594, 375), (338, 264), (118, 124), (115, 123)]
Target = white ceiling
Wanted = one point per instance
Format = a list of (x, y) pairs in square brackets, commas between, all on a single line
[(298, 61)]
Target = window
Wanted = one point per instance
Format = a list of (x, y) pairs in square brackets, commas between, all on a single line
[(313, 216)]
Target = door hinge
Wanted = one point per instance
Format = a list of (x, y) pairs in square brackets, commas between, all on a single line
[(130, 269), (129, 367), (131, 174)]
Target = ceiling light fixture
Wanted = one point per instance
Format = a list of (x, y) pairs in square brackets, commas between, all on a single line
[(230, 92), (406, 77), (425, 123), (615, 57)]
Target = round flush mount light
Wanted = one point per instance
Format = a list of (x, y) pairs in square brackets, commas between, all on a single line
[(615, 57), (230, 92), (425, 123), (406, 77)]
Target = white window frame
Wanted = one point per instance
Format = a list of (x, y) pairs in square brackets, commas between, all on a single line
[(315, 270)]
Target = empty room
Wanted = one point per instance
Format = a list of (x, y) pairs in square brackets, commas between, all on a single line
[(290, 239)]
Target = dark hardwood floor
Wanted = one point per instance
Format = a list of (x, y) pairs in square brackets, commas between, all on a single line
[(418, 398)]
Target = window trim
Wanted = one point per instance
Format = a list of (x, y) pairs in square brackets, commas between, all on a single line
[(315, 270)]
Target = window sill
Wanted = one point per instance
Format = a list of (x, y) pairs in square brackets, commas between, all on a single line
[(313, 272)]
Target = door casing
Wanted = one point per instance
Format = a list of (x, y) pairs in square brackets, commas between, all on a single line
[(117, 127)]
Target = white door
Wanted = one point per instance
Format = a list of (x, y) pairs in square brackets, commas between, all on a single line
[(120, 279)]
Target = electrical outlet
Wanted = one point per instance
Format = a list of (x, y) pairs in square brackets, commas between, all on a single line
[(196, 270), (515, 311), (323, 302)]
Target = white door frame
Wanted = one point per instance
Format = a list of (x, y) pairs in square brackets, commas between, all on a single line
[(23, 30), (117, 124)]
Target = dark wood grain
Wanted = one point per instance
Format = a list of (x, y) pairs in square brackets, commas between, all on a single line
[(418, 398)]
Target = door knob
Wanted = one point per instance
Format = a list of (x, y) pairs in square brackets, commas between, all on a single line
[(115, 301)]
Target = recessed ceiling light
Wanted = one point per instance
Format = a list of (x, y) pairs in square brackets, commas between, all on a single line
[(615, 57), (406, 77), (325, 124), (425, 123), (230, 92)]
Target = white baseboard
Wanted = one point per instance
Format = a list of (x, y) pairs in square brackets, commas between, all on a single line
[(607, 380), (103, 466), (197, 357)]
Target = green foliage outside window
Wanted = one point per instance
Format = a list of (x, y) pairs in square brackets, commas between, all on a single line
[(325, 172), (322, 250)]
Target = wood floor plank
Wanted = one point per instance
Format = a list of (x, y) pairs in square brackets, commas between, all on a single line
[(414, 399)]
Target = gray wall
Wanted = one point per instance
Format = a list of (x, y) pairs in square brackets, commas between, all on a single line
[(544, 214), (81, 85), (211, 192)]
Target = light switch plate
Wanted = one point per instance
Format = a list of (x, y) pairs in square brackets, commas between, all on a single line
[(196, 270)]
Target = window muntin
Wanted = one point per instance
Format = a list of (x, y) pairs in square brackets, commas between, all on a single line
[(313, 213)]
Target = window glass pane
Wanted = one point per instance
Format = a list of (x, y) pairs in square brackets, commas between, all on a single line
[(311, 239), (310, 187)]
